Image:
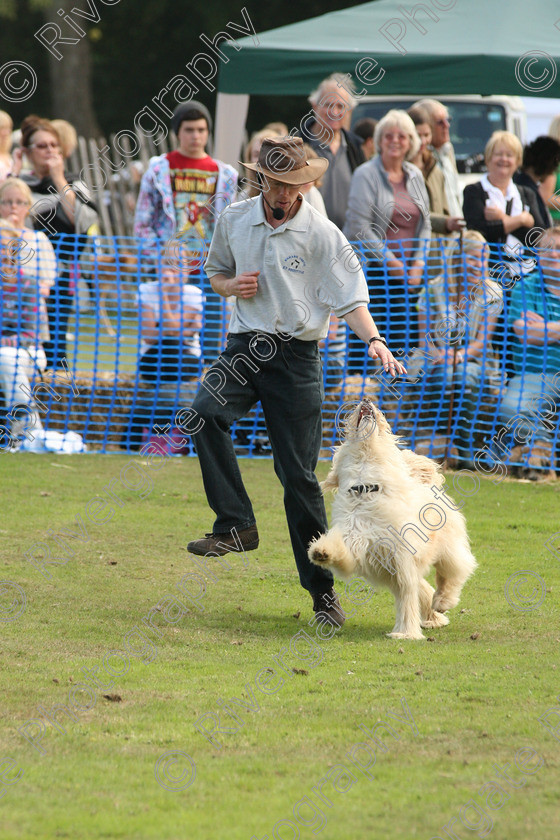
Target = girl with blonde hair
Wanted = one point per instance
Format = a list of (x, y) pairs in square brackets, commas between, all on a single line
[(6, 128), (21, 335), (39, 261)]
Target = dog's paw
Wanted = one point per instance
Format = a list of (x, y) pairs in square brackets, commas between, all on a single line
[(330, 551), (436, 619), (318, 552), (411, 636), (318, 556), (442, 603)]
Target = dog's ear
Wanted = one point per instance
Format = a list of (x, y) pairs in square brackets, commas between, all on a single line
[(331, 481)]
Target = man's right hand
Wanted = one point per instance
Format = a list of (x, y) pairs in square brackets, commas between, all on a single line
[(245, 285), (455, 223)]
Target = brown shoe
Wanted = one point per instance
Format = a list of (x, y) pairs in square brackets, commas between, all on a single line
[(327, 605), (219, 544)]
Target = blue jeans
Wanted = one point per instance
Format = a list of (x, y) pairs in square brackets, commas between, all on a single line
[(289, 386), (533, 397)]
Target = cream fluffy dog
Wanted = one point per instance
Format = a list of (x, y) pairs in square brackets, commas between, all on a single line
[(390, 527)]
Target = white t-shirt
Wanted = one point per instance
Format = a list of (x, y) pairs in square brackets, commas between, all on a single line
[(149, 295), (38, 260)]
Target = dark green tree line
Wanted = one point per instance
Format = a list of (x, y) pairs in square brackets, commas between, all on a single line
[(128, 54)]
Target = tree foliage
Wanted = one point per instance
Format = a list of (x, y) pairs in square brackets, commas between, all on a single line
[(136, 48)]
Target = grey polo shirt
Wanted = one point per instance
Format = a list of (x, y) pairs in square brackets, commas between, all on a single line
[(336, 181), (308, 269)]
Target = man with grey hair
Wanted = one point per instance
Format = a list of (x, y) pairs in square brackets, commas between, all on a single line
[(444, 153), (324, 129)]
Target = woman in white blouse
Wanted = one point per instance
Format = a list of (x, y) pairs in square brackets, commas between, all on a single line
[(502, 211)]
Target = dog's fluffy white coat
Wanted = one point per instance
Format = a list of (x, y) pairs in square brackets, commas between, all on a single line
[(359, 543)]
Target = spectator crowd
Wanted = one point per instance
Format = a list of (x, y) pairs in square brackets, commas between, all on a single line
[(463, 284)]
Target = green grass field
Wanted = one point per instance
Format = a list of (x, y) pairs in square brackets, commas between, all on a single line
[(473, 695)]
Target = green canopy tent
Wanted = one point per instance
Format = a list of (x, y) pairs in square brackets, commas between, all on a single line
[(429, 48)]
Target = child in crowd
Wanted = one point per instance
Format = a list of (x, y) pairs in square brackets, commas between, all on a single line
[(22, 332), (170, 313), (457, 318)]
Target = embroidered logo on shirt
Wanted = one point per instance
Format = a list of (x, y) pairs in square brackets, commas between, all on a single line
[(295, 264)]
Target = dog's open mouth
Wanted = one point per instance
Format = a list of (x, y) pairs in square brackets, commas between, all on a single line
[(366, 410)]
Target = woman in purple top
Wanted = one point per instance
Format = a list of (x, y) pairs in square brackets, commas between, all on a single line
[(389, 214)]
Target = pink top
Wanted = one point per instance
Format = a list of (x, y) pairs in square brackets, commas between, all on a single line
[(405, 218)]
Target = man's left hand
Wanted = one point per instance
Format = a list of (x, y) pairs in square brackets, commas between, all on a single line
[(377, 350)]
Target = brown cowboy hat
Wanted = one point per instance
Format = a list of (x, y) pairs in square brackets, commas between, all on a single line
[(284, 159)]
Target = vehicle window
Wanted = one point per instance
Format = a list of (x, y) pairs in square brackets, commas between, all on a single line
[(472, 123)]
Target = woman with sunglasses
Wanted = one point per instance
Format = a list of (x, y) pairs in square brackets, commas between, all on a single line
[(443, 152), (61, 208)]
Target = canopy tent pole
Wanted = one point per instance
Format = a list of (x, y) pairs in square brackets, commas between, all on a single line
[(231, 116)]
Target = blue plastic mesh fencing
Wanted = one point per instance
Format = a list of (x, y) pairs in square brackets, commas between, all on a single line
[(112, 357)]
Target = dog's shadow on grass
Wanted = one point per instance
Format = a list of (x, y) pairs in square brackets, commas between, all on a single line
[(248, 624)]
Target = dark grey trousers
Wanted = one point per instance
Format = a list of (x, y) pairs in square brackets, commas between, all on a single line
[(286, 377)]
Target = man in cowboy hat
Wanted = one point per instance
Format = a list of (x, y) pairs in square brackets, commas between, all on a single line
[(287, 267)]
